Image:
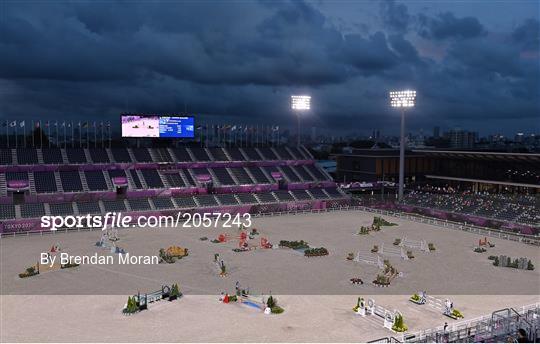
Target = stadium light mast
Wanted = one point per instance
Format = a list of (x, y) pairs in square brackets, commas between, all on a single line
[(300, 104), (402, 99)]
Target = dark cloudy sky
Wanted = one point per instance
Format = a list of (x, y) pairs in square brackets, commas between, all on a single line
[(475, 64)]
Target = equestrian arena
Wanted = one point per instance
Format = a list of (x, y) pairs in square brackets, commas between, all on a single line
[(86, 302)]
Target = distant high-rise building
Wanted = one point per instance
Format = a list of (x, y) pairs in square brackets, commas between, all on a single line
[(462, 138), (436, 132)]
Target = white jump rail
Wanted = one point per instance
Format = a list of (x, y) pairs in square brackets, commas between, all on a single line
[(369, 258)]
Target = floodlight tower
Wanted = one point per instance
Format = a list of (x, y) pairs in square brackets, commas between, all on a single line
[(300, 104), (402, 99)]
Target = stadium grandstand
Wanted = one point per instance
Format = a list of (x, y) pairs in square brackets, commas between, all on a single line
[(57, 181), (490, 189)]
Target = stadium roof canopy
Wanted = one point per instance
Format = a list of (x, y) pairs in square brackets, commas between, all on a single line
[(491, 156)]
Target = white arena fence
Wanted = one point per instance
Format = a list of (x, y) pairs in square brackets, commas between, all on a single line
[(488, 232)]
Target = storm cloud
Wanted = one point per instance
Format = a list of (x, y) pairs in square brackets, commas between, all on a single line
[(240, 61)]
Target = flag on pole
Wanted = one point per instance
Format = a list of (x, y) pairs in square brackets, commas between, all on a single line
[(22, 124)]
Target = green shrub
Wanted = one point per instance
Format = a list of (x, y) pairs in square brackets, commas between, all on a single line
[(479, 249), (379, 222), (276, 310), (399, 326), (30, 271), (496, 261), (431, 246), (318, 251), (363, 230), (271, 302), (457, 313), (131, 306), (295, 245), (530, 265), (175, 290)]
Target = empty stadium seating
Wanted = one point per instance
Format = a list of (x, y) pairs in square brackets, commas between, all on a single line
[(32, 210), (252, 154), (98, 155), (258, 175), (61, 209), (318, 193), (45, 182), (236, 154), (206, 200), (223, 176), (316, 172), (241, 175), (218, 154), (268, 153), (88, 208), (189, 178), (139, 204), (289, 174), (181, 154), (237, 170), (141, 154), (77, 155), (298, 153), (283, 153), (162, 155), (6, 157), (283, 196), (200, 154), (174, 180), (16, 175), (120, 155), (52, 156), (247, 198), (184, 202), (71, 181), (333, 192), (135, 177), (113, 205), (152, 178), (227, 199), (301, 195), (162, 203), (265, 197), (27, 156), (95, 180), (303, 173), (7, 211)]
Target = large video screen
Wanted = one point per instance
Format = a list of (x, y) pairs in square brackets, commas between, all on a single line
[(158, 126)]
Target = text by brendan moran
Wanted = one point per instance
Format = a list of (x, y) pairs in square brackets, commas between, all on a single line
[(95, 259)]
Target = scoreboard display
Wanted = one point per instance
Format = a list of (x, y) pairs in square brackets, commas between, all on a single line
[(177, 127), (162, 126)]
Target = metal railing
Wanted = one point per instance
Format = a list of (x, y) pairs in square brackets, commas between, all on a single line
[(483, 328)]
